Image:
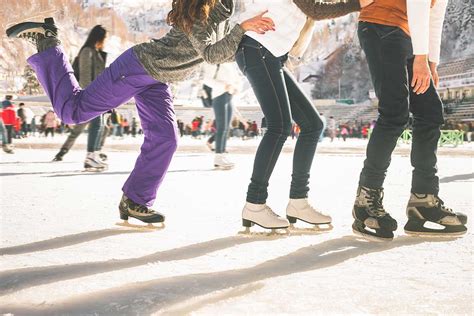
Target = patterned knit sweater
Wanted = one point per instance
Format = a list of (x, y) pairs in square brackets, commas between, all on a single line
[(176, 56)]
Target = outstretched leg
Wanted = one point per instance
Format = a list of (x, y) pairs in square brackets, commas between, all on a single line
[(124, 78)]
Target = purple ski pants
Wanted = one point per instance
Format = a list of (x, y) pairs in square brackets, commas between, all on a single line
[(124, 79)]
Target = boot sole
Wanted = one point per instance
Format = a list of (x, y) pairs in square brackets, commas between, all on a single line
[(293, 220), (16, 30), (248, 223)]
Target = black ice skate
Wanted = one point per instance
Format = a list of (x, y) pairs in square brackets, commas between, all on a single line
[(369, 213), (423, 208), (34, 32), (128, 208), (59, 156)]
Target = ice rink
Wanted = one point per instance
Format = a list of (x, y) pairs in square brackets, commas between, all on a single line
[(62, 254)]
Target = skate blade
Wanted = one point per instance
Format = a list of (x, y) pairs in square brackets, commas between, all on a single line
[(316, 230), (148, 227), (434, 234), (369, 237), (96, 170), (274, 233), (223, 168)]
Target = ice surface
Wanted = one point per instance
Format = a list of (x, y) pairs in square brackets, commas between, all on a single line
[(63, 254)]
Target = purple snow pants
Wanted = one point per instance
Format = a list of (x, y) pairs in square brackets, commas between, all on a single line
[(124, 79)]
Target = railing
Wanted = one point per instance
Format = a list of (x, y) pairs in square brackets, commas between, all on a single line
[(448, 137)]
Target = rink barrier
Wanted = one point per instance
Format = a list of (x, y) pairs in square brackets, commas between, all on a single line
[(448, 137)]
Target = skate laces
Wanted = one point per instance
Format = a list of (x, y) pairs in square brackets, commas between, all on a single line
[(375, 201), (270, 211), (442, 207), (139, 208)]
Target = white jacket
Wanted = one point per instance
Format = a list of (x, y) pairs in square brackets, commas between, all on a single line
[(422, 20), (289, 21)]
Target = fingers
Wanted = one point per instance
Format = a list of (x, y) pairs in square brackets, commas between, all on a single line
[(263, 13), (436, 81), (420, 84)]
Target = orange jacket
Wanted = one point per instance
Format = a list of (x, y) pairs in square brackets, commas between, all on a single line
[(387, 12)]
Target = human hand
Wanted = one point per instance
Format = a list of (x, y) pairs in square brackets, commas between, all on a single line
[(421, 74), (365, 3), (258, 24), (434, 73)]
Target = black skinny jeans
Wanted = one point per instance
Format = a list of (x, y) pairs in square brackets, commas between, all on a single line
[(281, 100), (389, 54)]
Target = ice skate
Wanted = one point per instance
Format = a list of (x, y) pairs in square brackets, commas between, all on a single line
[(263, 216), (222, 163), (34, 32), (59, 156), (429, 209), (209, 146), (370, 219), (301, 209), (8, 149), (103, 157), (93, 164), (128, 208)]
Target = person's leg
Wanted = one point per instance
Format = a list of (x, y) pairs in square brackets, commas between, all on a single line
[(155, 108), (424, 204), (427, 110), (311, 125), (73, 135), (3, 133), (265, 75), (118, 83), (9, 129), (104, 135), (228, 118), (94, 133), (219, 104), (387, 50)]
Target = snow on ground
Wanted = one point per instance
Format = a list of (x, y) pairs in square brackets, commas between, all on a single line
[(62, 254)]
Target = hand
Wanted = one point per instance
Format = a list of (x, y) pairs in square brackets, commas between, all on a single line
[(365, 3), (258, 24), (421, 74), (434, 73)]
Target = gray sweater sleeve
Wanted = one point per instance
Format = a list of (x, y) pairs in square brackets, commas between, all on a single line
[(85, 67), (322, 10), (219, 52)]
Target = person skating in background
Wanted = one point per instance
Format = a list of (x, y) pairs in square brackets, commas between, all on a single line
[(50, 123), (401, 40), (134, 127), (90, 63), (8, 118), (200, 32), (261, 60), (332, 128), (224, 81)]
